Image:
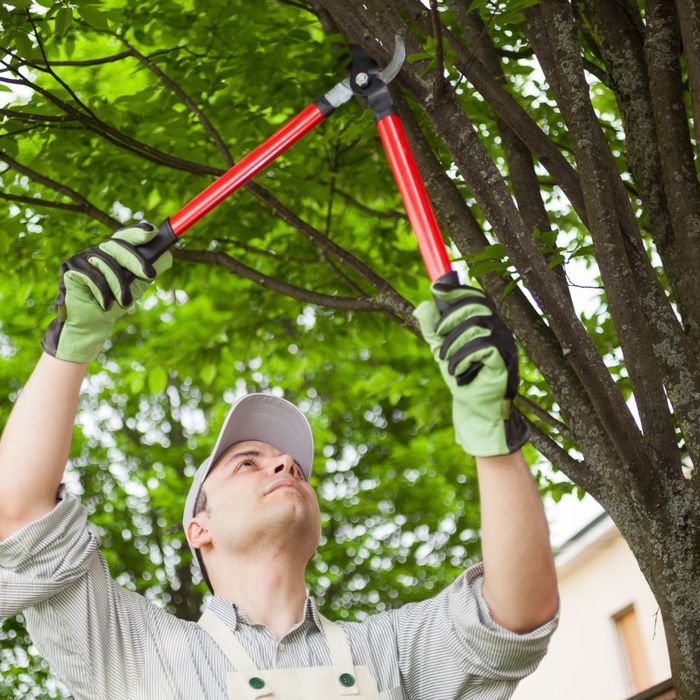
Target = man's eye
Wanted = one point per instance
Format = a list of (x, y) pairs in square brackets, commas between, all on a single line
[(245, 463)]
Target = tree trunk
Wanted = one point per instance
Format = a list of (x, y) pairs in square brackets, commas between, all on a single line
[(643, 490), (672, 568)]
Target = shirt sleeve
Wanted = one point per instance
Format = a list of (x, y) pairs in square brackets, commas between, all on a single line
[(90, 630), (449, 647)]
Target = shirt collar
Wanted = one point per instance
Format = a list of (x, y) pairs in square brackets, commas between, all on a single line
[(233, 615)]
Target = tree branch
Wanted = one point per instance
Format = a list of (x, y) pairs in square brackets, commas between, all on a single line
[(95, 61), (34, 117), (521, 53), (579, 472), (83, 203), (184, 98), (689, 21), (384, 214), (35, 201), (680, 181), (507, 109), (299, 5), (544, 416), (238, 268), (610, 235), (53, 74), (524, 180), (622, 27), (117, 137), (535, 335)]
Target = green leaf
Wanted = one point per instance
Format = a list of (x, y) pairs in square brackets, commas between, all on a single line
[(23, 44), (510, 286), (63, 20), (208, 373), (93, 17), (137, 383), (412, 58), (157, 380), (481, 268), (493, 251)]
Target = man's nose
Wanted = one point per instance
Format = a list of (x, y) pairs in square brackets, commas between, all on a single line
[(284, 463)]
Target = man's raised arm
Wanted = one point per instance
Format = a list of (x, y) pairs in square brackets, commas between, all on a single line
[(478, 359), (36, 440), (96, 288)]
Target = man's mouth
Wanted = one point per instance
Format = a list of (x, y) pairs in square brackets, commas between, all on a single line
[(282, 484)]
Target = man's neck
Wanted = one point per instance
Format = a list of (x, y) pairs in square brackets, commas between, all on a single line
[(270, 589)]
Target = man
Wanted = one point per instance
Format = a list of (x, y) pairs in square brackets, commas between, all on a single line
[(253, 522)]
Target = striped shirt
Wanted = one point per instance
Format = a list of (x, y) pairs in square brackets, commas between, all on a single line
[(108, 643)]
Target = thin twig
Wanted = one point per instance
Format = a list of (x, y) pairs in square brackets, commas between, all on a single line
[(217, 258), (299, 5), (53, 73), (544, 416), (184, 98), (343, 276), (117, 137), (95, 61), (33, 201), (33, 117), (117, 57), (579, 472), (389, 214), (510, 53), (268, 253), (10, 134), (439, 81), (84, 204), (401, 306)]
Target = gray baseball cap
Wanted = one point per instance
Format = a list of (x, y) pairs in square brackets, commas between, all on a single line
[(255, 417)]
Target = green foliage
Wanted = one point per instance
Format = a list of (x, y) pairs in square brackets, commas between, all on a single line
[(399, 498), (399, 502)]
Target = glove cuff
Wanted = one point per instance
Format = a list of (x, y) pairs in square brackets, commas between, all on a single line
[(482, 438)]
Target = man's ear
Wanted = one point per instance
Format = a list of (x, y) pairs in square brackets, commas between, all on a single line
[(197, 533)]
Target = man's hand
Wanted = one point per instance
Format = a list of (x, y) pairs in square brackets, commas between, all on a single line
[(478, 359), (91, 282)]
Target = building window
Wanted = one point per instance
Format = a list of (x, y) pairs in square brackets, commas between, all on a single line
[(635, 659)]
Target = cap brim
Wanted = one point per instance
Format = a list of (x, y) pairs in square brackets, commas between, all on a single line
[(272, 420)]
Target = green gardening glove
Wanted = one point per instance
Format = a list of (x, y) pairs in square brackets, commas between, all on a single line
[(117, 270), (478, 359)]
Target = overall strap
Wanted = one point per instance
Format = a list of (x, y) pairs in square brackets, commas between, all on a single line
[(341, 657), (226, 639)]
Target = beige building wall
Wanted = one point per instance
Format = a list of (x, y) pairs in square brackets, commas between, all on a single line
[(598, 578)]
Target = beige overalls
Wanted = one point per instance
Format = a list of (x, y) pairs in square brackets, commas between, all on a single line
[(341, 680)]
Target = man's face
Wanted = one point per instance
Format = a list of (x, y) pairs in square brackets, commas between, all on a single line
[(257, 498)]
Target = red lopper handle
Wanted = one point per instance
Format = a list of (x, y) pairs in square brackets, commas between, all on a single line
[(246, 169), (415, 199)]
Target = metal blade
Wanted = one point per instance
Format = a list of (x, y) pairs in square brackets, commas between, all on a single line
[(394, 66)]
